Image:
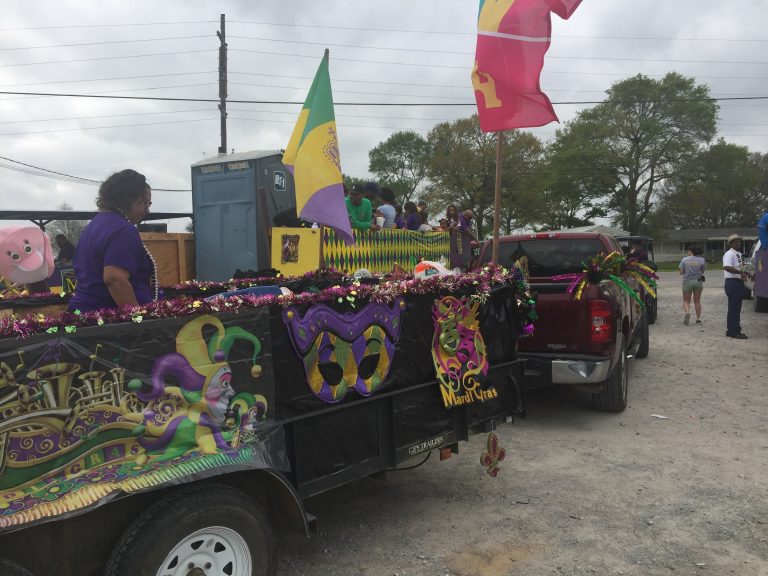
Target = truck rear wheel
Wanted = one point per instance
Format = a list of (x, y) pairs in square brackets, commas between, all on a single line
[(644, 335), (613, 398), (651, 307), (205, 530), (8, 568)]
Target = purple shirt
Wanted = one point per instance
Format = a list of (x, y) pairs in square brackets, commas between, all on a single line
[(109, 240), (412, 221)]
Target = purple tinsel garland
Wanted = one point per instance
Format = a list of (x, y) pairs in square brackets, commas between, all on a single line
[(478, 283)]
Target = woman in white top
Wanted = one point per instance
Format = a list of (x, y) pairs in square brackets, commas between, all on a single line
[(692, 270)]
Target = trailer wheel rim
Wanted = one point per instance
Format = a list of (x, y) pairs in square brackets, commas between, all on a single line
[(211, 551)]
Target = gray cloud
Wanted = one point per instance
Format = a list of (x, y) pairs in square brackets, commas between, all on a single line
[(92, 138)]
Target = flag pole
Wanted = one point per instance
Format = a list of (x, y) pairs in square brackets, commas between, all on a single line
[(497, 201)]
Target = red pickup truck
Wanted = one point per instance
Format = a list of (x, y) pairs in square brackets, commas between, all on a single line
[(586, 342)]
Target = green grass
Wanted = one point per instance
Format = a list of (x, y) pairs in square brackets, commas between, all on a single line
[(667, 266)]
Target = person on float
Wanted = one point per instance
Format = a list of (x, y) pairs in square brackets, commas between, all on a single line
[(112, 265), (359, 210), (762, 231)]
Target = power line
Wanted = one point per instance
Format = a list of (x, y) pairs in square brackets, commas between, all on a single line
[(63, 119), (359, 29), (107, 58), (474, 33), (358, 91), (549, 56), (654, 60), (107, 25), (386, 83), (83, 128), (104, 43), (111, 78), (294, 103), (24, 167), (136, 89)]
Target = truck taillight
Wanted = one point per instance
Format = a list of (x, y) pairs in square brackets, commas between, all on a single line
[(601, 325)]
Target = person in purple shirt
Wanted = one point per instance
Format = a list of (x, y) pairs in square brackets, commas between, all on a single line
[(412, 218), (461, 241), (112, 265)]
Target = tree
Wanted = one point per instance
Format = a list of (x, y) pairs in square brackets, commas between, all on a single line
[(574, 179), (401, 162), (462, 171), (350, 181), (644, 132), (718, 188), (69, 228)]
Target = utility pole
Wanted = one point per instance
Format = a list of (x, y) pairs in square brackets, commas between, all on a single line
[(223, 84)]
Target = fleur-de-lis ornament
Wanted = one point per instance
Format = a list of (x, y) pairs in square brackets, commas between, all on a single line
[(493, 456)]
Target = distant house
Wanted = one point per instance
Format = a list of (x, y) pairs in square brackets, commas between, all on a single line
[(674, 244)]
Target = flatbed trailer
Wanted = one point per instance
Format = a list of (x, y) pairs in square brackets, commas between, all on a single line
[(174, 439)]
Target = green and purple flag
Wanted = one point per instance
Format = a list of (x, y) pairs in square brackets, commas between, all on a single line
[(312, 156)]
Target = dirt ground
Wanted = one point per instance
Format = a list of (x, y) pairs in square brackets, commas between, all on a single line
[(582, 492)]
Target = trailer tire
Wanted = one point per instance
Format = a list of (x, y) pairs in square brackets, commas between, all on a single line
[(613, 398), (211, 524), (8, 568)]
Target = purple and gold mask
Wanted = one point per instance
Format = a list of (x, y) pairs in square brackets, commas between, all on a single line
[(345, 350), (458, 349)]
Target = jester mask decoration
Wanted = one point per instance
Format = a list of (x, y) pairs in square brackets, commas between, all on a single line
[(345, 350), (458, 352)]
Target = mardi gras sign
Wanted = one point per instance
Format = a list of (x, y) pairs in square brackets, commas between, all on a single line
[(348, 350), (458, 352), (25, 254), (74, 425)]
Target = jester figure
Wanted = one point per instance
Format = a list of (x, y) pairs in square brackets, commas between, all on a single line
[(200, 410)]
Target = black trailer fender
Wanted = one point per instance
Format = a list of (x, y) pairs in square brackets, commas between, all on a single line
[(283, 502), (287, 503)]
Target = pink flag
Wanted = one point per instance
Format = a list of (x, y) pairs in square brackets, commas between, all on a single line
[(512, 38)]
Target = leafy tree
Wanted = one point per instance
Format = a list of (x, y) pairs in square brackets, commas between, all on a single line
[(350, 181), (70, 228), (644, 132), (462, 171), (574, 179), (401, 162), (718, 188)]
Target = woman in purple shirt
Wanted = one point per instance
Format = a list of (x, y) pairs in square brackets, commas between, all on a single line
[(112, 265), (412, 218)]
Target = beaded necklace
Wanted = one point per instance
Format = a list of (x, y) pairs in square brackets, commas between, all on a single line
[(153, 280)]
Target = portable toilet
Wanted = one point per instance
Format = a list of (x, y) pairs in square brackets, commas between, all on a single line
[(236, 199)]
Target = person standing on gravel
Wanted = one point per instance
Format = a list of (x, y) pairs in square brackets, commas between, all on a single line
[(692, 270), (734, 286)]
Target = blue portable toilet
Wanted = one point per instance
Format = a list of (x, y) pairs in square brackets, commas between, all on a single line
[(236, 199)]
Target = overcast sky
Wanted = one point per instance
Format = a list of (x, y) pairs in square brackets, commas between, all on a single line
[(398, 51)]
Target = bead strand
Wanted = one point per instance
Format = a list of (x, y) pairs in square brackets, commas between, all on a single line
[(153, 281)]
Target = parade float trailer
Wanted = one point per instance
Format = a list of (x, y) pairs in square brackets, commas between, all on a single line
[(173, 438)]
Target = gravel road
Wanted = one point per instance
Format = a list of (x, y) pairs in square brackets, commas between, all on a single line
[(583, 492)]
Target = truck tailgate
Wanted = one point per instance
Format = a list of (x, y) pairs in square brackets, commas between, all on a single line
[(562, 323)]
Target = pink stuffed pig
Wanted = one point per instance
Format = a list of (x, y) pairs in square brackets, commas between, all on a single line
[(25, 254)]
